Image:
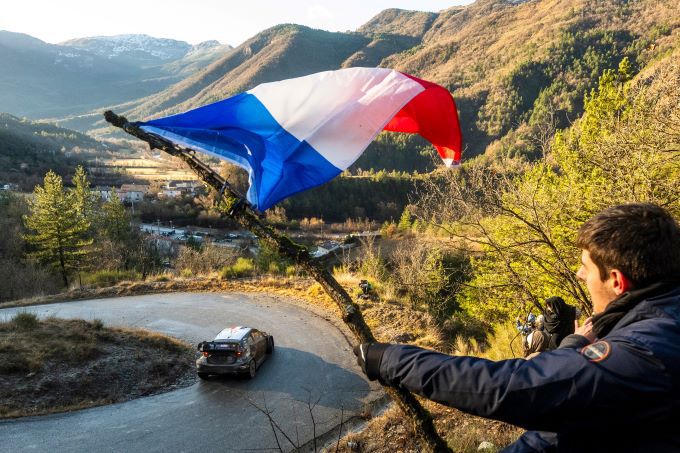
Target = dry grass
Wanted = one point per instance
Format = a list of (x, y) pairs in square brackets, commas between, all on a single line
[(58, 365), (390, 432)]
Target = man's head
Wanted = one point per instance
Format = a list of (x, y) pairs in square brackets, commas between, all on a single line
[(627, 246)]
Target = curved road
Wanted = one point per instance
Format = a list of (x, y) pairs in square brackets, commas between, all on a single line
[(312, 362)]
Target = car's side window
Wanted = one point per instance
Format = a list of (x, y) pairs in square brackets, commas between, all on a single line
[(250, 340)]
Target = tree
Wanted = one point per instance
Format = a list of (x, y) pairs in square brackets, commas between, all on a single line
[(117, 232), (519, 224), (58, 229), (404, 221), (84, 200), (116, 220)]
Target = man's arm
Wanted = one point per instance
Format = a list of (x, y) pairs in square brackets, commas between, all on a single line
[(556, 391)]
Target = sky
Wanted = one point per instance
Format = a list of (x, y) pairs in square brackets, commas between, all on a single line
[(228, 21)]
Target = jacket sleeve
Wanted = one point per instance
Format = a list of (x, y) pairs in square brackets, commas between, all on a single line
[(574, 341), (557, 390)]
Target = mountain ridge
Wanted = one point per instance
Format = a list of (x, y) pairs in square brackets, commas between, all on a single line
[(40, 80), (506, 63)]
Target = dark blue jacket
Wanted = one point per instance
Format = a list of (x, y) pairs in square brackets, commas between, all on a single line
[(619, 394)]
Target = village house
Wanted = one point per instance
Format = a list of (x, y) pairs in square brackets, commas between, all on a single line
[(132, 192)]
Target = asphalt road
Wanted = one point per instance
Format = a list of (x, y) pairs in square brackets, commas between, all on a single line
[(312, 363)]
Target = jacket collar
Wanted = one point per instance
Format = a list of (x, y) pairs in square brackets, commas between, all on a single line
[(604, 322)]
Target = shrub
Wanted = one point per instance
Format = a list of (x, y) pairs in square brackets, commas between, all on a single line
[(207, 259), (267, 258), (25, 279), (504, 342), (186, 273), (243, 267), (25, 320), (109, 277)]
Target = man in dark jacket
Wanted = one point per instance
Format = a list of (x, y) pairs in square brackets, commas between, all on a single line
[(614, 385)]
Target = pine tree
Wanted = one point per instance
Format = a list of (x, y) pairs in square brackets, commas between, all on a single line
[(404, 221), (58, 227), (116, 220), (84, 200), (116, 226)]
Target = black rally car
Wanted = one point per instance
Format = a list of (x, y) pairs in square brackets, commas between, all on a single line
[(235, 350)]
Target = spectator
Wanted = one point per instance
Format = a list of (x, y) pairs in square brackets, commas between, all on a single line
[(558, 320), (620, 393)]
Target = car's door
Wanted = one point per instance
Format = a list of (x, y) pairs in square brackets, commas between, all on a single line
[(260, 344)]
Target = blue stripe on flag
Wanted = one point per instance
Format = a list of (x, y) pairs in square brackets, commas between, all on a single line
[(240, 129)]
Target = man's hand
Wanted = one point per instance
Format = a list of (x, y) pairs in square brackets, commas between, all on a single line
[(369, 356), (360, 351), (586, 330)]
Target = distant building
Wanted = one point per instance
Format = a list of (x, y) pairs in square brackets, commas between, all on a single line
[(132, 192), (184, 186), (170, 193), (103, 192)]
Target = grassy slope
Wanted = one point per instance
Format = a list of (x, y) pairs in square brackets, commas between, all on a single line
[(57, 365)]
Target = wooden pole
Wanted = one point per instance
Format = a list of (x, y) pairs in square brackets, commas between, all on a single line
[(241, 211)]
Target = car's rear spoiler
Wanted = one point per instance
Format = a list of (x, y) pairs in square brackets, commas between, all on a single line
[(208, 346)]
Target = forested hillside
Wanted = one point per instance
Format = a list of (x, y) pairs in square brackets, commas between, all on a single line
[(30, 149)]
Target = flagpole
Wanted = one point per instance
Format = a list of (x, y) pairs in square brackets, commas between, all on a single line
[(238, 208)]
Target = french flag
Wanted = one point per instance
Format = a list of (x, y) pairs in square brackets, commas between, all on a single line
[(299, 133)]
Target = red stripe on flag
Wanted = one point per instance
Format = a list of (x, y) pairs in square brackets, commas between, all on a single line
[(433, 115)]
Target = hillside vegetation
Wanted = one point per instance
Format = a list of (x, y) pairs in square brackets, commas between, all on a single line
[(29, 149)]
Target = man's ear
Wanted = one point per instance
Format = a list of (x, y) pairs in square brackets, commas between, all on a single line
[(619, 282)]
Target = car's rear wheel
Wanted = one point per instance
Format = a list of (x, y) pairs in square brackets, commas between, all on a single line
[(203, 375), (270, 345), (252, 369)]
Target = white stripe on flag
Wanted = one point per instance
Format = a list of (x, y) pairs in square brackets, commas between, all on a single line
[(338, 112)]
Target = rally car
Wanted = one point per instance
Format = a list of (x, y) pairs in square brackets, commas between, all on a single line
[(235, 350)]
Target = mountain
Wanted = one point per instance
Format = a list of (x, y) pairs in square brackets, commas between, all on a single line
[(280, 52), (198, 57), (41, 80), (28, 149), (134, 50), (166, 56), (517, 69)]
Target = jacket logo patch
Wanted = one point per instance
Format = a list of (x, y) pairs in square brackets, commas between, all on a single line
[(597, 351)]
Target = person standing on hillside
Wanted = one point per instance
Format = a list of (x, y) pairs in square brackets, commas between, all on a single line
[(558, 320), (613, 385)]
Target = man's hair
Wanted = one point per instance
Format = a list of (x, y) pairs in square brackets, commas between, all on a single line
[(641, 240)]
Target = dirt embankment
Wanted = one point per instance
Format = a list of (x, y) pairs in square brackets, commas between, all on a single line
[(58, 365)]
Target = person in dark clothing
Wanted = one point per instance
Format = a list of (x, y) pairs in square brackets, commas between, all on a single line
[(558, 320), (613, 385)]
